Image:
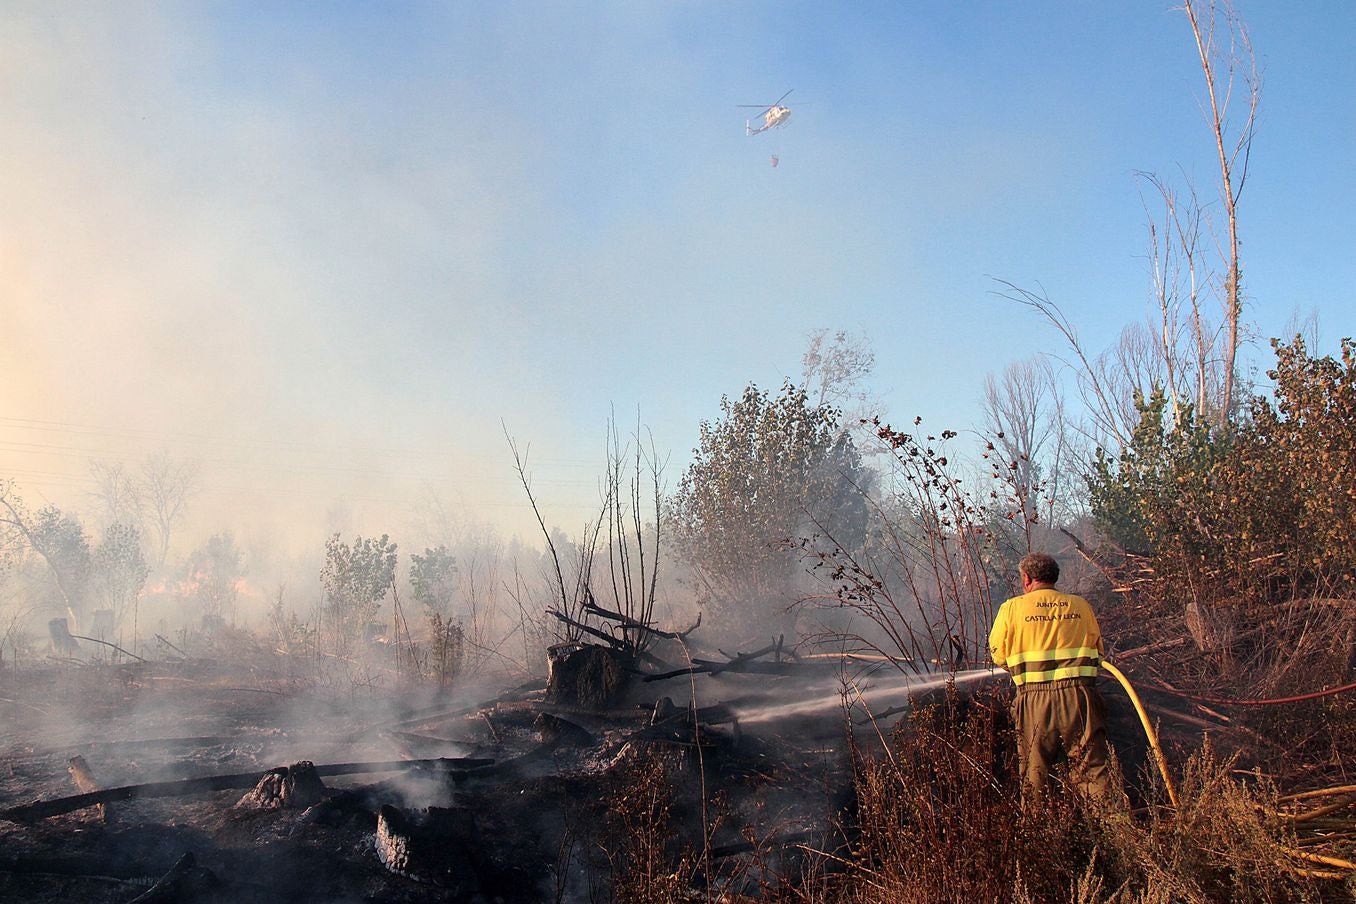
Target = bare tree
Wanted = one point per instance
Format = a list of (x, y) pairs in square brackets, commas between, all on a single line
[(1186, 338), (633, 495), (1189, 355), (833, 368), (574, 595), (628, 531), (116, 494), (165, 487), (1228, 64), (118, 573), (1101, 380), (1025, 427), (834, 371)]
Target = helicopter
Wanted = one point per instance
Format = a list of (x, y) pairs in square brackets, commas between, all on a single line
[(773, 115)]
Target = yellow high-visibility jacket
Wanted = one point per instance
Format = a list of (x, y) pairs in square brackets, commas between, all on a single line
[(1046, 635)]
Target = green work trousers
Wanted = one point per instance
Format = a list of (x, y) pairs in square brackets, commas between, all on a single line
[(1058, 719)]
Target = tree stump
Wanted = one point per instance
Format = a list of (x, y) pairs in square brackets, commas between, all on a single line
[(83, 777), (294, 787), (63, 644), (430, 848), (586, 675), (103, 624)]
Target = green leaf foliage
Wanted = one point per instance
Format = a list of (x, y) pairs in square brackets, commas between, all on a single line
[(1261, 512), (356, 579), (773, 469), (433, 578), (118, 569)]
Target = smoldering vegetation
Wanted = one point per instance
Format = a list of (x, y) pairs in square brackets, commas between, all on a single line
[(766, 682), (762, 677)]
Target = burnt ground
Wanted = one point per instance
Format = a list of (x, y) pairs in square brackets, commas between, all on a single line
[(548, 821), (574, 795)]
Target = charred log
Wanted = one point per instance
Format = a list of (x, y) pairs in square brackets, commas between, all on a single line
[(44, 808)]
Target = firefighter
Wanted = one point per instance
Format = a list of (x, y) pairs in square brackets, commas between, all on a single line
[(1051, 644)]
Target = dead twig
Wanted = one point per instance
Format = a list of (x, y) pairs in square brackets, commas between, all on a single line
[(628, 622), (588, 629)]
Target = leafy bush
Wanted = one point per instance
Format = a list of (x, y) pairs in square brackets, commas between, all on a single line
[(1262, 513), (356, 579), (1244, 541), (772, 470)]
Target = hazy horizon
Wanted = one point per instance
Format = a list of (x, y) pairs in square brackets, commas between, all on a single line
[(334, 257)]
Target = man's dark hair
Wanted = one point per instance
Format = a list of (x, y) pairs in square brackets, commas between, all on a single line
[(1039, 567)]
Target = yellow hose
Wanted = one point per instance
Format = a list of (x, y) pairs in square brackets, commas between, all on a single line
[(1172, 791), (1148, 730)]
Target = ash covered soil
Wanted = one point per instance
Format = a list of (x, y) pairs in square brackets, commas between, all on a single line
[(544, 822)]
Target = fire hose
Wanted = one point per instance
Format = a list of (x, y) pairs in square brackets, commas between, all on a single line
[(1162, 763), (1159, 758)]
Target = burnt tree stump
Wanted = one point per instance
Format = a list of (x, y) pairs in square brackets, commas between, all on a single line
[(84, 780), (294, 787), (63, 644), (430, 848), (587, 675)]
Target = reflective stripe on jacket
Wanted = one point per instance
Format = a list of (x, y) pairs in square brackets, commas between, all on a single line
[(1046, 635)]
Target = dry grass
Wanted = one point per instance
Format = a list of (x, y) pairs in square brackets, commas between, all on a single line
[(647, 866), (939, 819)]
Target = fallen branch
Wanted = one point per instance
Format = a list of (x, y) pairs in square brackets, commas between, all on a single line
[(735, 664), (438, 714), (44, 808), (1151, 648), (38, 709), (766, 844), (65, 869), (171, 646), (1273, 701), (107, 644), (1089, 557), (171, 886), (205, 741)]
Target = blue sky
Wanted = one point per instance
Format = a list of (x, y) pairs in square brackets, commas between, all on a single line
[(334, 249)]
